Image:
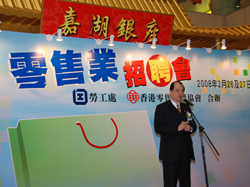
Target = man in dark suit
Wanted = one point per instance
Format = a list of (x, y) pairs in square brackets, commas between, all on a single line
[(176, 146)]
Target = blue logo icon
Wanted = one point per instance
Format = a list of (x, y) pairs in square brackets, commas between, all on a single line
[(80, 97)]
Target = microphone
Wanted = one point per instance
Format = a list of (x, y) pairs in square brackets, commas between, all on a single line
[(188, 102)]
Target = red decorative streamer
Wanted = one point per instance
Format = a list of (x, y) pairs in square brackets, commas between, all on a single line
[(96, 146)]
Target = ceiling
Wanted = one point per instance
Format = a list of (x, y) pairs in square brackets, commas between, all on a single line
[(25, 16)]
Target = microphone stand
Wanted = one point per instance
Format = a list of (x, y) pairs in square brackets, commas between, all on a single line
[(202, 132)]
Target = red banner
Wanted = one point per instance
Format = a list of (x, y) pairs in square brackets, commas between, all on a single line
[(86, 21)]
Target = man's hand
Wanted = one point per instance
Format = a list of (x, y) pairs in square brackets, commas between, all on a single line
[(184, 126), (188, 128)]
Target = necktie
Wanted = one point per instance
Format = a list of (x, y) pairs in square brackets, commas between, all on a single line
[(178, 108)]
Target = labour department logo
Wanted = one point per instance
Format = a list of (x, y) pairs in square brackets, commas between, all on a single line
[(80, 97)]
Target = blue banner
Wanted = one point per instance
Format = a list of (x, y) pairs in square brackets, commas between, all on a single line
[(43, 79)]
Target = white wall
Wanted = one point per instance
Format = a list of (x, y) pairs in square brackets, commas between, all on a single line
[(207, 20), (240, 17)]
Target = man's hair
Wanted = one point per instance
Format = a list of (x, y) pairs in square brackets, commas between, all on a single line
[(172, 85)]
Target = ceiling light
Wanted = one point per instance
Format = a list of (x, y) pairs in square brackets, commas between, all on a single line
[(175, 47), (59, 35), (153, 46), (223, 44), (99, 41), (209, 50), (111, 42), (188, 45), (59, 38)]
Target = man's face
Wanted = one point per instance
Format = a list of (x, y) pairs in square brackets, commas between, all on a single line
[(178, 93)]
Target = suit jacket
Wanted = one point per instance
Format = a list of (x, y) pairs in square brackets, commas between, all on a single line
[(166, 122)]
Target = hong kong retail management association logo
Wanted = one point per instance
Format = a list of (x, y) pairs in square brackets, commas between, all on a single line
[(133, 96)]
